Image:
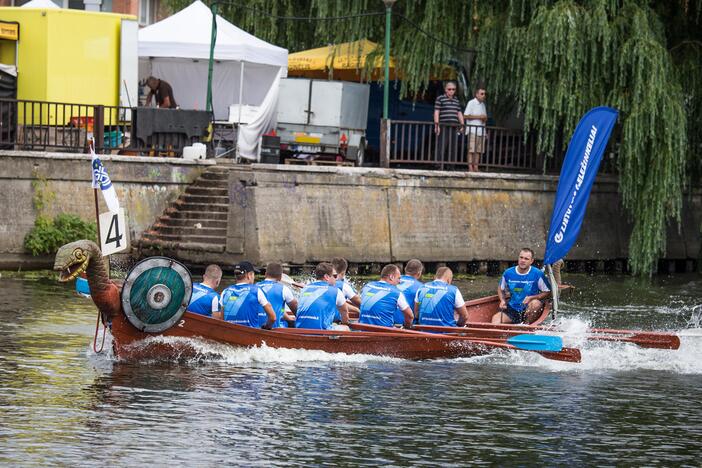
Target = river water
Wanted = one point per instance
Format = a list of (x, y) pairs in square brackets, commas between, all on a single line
[(61, 404)]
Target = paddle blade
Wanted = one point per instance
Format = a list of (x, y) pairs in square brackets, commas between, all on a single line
[(531, 342)]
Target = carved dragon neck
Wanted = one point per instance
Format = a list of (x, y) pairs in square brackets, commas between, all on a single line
[(85, 256)]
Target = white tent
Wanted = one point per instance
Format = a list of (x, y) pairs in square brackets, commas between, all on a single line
[(40, 4), (177, 49)]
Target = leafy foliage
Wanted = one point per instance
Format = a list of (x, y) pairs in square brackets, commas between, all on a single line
[(48, 235), (552, 59)]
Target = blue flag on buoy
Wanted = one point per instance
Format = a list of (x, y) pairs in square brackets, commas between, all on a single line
[(577, 176)]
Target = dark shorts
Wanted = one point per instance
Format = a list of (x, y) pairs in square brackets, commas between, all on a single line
[(516, 316)]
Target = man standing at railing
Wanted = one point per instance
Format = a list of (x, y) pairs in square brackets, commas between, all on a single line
[(448, 121), (476, 117)]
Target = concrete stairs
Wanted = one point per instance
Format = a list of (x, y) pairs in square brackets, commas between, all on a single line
[(195, 225)]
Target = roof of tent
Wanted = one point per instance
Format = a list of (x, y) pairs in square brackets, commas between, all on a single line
[(186, 34), (40, 4)]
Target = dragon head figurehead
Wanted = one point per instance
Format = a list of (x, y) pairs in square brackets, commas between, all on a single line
[(84, 256)]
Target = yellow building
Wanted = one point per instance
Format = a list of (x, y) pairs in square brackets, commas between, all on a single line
[(70, 56)]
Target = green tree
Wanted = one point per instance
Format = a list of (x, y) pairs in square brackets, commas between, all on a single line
[(552, 60)]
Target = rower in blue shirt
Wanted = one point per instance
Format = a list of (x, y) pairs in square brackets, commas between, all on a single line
[(242, 300), (353, 300), (409, 285), (380, 300), (205, 300), (279, 295), (320, 300), (527, 286), (438, 302)]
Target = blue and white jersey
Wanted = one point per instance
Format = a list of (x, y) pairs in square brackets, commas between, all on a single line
[(317, 305), (241, 303), (379, 301), (437, 301), (522, 285), (348, 292), (409, 285), (204, 300), (278, 295)]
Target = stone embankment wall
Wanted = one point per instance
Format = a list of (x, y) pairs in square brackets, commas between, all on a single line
[(304, 214), (62, 184)]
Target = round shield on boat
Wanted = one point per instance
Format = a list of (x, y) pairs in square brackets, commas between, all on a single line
[(156, 293)]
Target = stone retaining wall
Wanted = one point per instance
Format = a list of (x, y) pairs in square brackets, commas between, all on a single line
[(304, 214)]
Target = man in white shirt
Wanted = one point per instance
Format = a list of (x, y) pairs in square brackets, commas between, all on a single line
[(475, 117)]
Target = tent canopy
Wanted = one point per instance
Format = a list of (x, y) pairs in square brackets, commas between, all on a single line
[(186, 34), (348, 60), (177, 50), (345, 61), (40, 4)]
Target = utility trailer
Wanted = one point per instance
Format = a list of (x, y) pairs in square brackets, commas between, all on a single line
[(323, 119)]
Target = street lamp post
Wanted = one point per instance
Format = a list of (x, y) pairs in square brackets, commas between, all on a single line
[(386, 86)]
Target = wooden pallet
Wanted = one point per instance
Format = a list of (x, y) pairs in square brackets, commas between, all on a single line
[(317, 162)]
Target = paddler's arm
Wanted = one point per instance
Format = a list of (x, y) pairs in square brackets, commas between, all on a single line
[(459, 306), (271, 316), (356, 300), (290, 299), (501, 296), (541, 296), (409, 317), (342, 307), (462, 316), (352, 308), (216, 308), (344, 313), (403, 305)]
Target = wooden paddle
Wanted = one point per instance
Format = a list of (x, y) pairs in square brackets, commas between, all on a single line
[(659, 340), (544, 345)]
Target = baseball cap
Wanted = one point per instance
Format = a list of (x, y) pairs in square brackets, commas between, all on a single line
[(244, 267)]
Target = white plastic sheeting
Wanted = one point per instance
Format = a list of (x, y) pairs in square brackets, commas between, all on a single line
[(263, 122)]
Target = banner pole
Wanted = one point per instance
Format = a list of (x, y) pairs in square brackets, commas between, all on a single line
[(554, 291)]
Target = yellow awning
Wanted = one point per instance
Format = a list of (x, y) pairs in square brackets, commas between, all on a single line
[(346, 61)]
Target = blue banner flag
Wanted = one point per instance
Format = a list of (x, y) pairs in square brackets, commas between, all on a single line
[(577, 176)]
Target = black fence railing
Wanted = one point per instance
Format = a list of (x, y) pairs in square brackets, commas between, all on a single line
[(413, 144), (58, 126)]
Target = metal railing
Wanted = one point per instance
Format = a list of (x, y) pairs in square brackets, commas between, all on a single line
[(58, 126), (413, 144)]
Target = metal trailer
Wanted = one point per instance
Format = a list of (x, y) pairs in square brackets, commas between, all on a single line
[(321, 117)]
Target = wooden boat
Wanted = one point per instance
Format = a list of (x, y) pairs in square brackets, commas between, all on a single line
[(147, 319), (130, 343)]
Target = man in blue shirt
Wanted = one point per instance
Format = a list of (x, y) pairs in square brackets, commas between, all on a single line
[(205, 300), (439, 302), (278, 295), (409, 285), (241, 301), (319, 301), (380, 300), (527, 286)]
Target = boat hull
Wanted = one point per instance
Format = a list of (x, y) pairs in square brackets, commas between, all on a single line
[(129, 343)]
